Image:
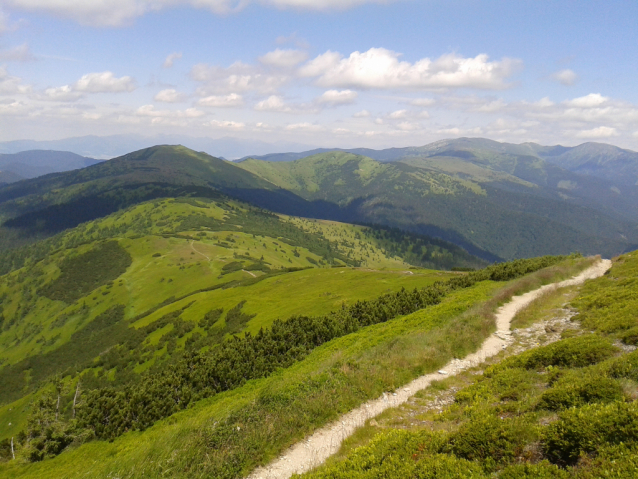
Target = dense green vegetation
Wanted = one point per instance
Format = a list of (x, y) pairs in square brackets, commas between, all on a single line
[(122, 297), (88, 271), (109, 412), (493, 204), (567, 409)]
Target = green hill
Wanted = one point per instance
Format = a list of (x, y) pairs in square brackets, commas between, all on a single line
[(489, 211), (120, 296), (100, 345)]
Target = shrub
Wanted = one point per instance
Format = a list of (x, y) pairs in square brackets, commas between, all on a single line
[(572, 353), (585, 429), (596, 390), (543, 470), (488, 439)]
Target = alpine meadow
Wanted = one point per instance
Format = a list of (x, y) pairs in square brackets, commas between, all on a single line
[(324, 240)]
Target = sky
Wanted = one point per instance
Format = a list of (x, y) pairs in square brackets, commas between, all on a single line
[(329, 73)]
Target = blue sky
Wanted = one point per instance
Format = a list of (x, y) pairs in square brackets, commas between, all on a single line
[(342, 73)]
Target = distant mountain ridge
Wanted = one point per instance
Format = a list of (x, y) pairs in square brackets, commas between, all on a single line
[(34, 163), (592, 159), (106, 147), (494, 204)]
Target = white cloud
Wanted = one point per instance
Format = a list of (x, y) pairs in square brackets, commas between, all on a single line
[(588, 101), (276, 103), (379, 68), (362, 114), (149, 110), (10, 85), (171, 59), (492, 106), (283, 58), (237, 78), (170, 95), (600, 132), (62, 93), (565, 77), (222, 101), (336, 97), (396, 115), (305, 127), (408, 126), (226, 125), (104, 82), (320, 64), (273, 103), (423, 102), (21, 53)]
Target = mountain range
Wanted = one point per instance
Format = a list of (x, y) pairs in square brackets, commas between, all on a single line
[(482, 195), (33, 163)]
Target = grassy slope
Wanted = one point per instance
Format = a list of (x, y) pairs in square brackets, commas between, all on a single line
[(166, 264), (564, 410), (233, 431), (493, 203)]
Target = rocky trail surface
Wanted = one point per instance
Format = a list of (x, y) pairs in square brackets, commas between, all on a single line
[(314, 450)]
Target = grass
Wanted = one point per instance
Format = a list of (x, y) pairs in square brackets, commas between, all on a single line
[(230, 433), (563, 410)]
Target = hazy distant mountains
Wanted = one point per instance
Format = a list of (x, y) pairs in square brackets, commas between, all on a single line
[(106, 147), (31, 164), (592, 159), (495, 204)]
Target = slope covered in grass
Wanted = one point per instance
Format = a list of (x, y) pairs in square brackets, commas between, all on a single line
[(566, 410), (227, 434), (117, 298)]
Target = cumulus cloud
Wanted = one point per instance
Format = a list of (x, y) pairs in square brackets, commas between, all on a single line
[(222, 101), (362, 114), (104, 82), (399, 114), (600, 132), (283, 58), (171, 59), (63, 93), (336, 97), (170, 95), (587, 101), (379, 68), (273, 103), (565, 77), (21, 53), (237, 78)]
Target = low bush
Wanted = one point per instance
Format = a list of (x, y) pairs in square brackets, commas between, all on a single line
[(488, 439), (572, 353), (596, 390), (586, 429)]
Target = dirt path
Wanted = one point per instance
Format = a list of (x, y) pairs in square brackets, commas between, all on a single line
[(198, 252), (315, 449), (252, 274)]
